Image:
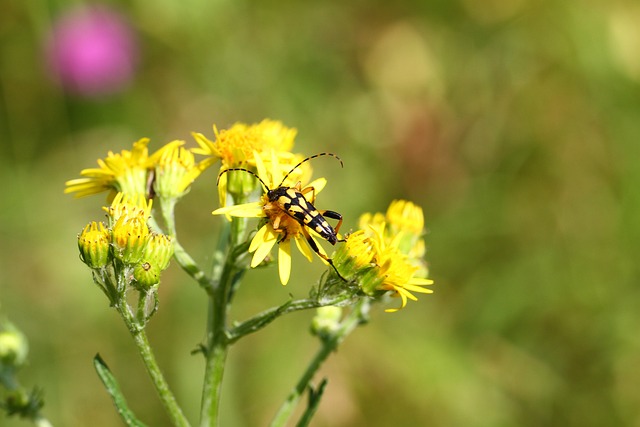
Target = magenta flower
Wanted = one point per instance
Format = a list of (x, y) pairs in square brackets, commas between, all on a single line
[(92, 51)]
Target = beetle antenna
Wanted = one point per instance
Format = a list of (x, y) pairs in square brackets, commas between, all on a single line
[(307, 159), (246, 170)]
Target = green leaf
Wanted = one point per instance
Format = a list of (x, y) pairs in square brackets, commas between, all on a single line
[(113, 389)]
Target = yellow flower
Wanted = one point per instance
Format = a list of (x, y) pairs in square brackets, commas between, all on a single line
[(396, 270), (385, 255), (128, 206), (279, 227), (175, 170), (236, 147), (125, 172)]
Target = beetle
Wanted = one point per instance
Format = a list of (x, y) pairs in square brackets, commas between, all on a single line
[(292, 201)]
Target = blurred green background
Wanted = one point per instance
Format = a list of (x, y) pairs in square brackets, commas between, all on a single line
[(515, 124)]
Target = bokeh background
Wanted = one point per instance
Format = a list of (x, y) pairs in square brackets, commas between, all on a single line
[(515, 124)]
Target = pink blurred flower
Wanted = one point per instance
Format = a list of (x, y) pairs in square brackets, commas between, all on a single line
[(92, 51)]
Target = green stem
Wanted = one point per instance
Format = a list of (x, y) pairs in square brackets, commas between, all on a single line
[(216, 355), (217, 337), (142, 343), (262, 319), (329, 344)]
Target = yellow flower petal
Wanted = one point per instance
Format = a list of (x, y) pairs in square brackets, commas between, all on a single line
[(284, 261), (317, 184), (245, 210), (258, 239), (264, 242), (403, 305)]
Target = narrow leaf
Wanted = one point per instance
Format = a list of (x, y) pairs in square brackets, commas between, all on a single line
[(113, 389)]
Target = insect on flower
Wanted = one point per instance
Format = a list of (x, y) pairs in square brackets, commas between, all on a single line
[(293, 202)]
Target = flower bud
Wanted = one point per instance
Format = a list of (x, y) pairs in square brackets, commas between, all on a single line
[(129, 239), (158, 251), (146, 275), (13, 347), (155, 258), (93, 244), (326, 321)]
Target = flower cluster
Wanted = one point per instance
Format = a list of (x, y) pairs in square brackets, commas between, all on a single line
[(127, 241), (240, 146), (168, 172), (386, 253), (384, 256)]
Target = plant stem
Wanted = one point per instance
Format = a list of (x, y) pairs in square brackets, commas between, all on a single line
[(216, 355), (142, 343), (264, 318), (217, 336), (329, 344)]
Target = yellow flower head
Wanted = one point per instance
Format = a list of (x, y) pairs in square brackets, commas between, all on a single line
[(237, 146), (175, 170), (129, 206), (124, 172), (386, 253), (279, 226)]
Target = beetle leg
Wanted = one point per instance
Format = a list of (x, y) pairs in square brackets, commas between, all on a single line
[(313, 193), (315, 248)]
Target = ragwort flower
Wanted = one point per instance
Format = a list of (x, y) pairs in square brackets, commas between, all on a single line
[(175, 170), (279, 227), (386, 254), (124, 172), (236, 147)]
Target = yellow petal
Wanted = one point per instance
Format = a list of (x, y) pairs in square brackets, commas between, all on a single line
[(276, 169), (245, 210), (317, 184), (264, 247), (404, 303), (415, 286), (258, 239), (262, 170), (284, 261)]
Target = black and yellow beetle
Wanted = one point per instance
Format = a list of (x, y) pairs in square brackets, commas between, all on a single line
[(292, 202)]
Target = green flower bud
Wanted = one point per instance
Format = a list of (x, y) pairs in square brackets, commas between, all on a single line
[(93, 244), (158, 250), (326, 321), (146, 275), (155, 258), (13, 347)]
